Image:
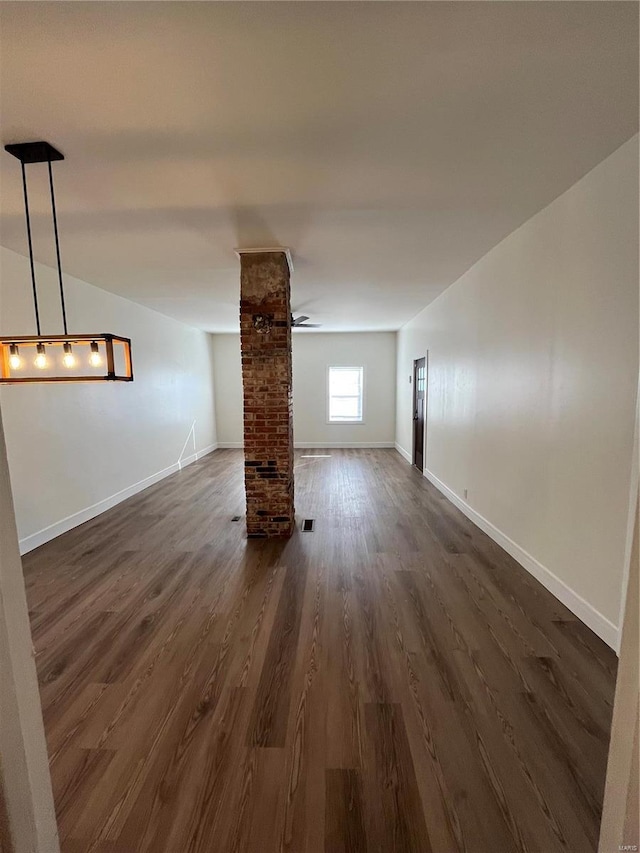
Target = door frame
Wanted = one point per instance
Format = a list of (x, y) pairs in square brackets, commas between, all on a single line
[(426, 410), (25, 776)]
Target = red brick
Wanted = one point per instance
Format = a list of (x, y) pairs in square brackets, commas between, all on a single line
[(267, 381)]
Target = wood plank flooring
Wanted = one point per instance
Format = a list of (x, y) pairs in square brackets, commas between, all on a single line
[(392, 682)]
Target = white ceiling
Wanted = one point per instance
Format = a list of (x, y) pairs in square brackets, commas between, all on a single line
[(389, 144)]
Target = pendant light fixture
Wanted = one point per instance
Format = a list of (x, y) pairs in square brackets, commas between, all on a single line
[(58, 358)]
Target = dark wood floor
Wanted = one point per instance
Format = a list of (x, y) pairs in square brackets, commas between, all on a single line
[(392, 681)]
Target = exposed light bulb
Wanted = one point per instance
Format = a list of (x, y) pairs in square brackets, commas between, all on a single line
[(95, 359), (15, 362), (41, 358), (68, 359)]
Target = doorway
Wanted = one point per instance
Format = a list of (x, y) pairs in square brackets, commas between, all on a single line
[(419, 410)]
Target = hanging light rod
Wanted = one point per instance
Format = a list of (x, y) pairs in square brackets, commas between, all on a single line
[(112, 351)]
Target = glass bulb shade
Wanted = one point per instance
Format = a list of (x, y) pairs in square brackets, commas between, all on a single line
[(15, 362), (68, 359), (95, 359), (40, 360)]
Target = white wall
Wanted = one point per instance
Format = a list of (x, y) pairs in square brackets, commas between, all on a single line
[(227, 382), (533, 369), (313, 352), (72, 447)]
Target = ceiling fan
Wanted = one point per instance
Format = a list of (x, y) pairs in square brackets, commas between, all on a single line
[(299, 322)]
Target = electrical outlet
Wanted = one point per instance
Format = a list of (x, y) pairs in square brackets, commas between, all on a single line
[(466, 493)]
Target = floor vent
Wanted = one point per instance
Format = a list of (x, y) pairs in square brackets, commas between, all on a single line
[(307, 525), (236, 518)]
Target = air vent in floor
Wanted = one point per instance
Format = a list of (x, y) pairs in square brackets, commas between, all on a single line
[(307, 525)]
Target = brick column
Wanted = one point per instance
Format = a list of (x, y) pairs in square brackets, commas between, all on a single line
[(265, 334)]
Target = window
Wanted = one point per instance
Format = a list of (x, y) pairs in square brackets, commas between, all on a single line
[(345, 394)]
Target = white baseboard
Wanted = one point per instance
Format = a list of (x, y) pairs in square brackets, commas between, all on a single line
[(65, 524), (598, 623), (306, 445), (404, 453), (230, 445), (207, 450), (187, 460)]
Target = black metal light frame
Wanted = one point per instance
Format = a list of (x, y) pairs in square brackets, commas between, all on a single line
[(42, 152), (11, 376)]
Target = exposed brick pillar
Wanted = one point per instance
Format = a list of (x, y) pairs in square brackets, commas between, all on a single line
[(265, 334)]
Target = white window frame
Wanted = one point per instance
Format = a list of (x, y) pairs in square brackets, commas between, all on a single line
[(351, 421)]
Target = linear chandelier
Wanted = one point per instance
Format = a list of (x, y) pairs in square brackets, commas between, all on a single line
[(58, 358)]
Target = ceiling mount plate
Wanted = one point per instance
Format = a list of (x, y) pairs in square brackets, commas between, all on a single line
[(34, 152)]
